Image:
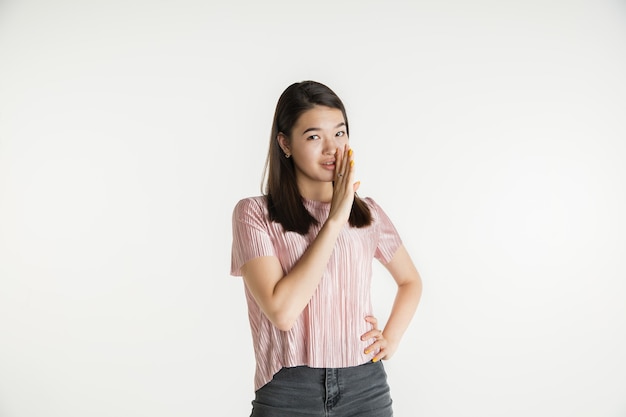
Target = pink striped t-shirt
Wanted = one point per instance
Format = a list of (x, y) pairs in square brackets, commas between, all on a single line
[(327, 332)]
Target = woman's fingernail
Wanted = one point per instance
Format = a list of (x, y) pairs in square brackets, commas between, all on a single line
[(367, 351), (350, 152), (375, 360), (352, 162)]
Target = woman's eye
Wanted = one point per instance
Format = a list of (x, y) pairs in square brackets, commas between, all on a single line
[(340, 133), (313, 137)]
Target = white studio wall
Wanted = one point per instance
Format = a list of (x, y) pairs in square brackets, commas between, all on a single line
[(491, 132)]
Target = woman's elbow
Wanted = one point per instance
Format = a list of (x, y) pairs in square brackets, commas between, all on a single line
[(282, 320)]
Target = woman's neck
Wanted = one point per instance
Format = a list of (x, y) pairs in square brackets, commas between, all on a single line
[(321, 191)]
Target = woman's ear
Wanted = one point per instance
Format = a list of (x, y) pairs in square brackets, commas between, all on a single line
[(283, 142)]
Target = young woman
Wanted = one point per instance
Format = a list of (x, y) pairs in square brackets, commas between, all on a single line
[(305, 251)]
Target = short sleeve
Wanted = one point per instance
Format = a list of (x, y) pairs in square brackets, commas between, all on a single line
[(388, 238), (251, 238)]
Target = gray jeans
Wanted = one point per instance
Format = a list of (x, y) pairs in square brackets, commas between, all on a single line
[(327, 392)]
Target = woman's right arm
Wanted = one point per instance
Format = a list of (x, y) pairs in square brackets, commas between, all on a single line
[(283, 297)]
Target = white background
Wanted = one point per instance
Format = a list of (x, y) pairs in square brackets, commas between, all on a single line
[(492, 132)]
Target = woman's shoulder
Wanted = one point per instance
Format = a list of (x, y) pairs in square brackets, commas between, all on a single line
[(256, 206), (371, 203), (259, 199), (375, 208)]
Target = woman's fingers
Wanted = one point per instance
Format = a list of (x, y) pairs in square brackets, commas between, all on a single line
[(373, 321), (380, 343), (380, 355), (344, 188), (339, 155), (347, 168), (350, 167), (374, 332), (343, 163), (378, 347)]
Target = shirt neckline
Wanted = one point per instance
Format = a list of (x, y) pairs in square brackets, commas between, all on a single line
[(316, 204)]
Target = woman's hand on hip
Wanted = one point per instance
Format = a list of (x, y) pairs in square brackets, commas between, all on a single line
[(382, 347)]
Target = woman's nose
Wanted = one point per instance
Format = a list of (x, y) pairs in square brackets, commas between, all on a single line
[(330, 146)]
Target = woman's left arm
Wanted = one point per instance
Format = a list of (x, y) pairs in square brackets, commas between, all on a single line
[(407, 298)]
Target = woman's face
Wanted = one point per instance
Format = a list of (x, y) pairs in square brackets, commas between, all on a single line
[(315, 137)]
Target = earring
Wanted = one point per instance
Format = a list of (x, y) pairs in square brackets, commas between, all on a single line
[(287, 155)]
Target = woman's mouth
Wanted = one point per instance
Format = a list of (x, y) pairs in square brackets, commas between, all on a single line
[(330, 165)]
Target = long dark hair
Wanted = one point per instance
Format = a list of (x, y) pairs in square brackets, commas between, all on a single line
[(283, 197)]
